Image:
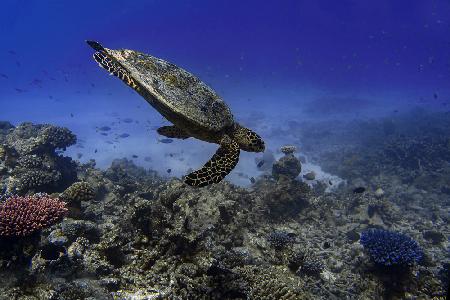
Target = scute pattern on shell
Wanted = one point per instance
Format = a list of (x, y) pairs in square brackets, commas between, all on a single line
[(179, 91)]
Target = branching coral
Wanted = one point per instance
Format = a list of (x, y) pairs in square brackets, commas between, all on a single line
[(417, 153), (388, 248), (22, 216), (280, 239), (305, 262), (272, 283)]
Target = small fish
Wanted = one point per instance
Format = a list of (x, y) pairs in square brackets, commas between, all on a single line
[(109, 142), (169, 170), (12, 52), (4, 76), (128, 120), (71, 115), (36, 82), (124, 135), (79, 155), (252, 180), (359, 190), (134, 156), (147, 158), (92, 85), (20, 90), (166, 141), (104, 134), (330, 182), (18, 63), (104, 128), (260, 164), (95, 151), (435, 96)]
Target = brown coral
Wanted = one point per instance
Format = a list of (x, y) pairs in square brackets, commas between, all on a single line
[(22, 216), (77, 192)]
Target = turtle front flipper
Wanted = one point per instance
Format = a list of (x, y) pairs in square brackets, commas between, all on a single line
[(114, 68), (222, 162), (247, 139), (173, 132)]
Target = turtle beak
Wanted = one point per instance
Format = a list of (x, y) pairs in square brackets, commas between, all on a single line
[(95, 45)]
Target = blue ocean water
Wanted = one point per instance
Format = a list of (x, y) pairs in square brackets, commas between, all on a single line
[(272, 61)]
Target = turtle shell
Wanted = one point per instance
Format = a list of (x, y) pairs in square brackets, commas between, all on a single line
[(177, 94)]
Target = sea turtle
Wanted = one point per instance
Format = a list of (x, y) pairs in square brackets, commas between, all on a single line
[(193, 108)]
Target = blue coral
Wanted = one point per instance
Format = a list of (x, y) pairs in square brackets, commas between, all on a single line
[(280, 239), (389, 248)]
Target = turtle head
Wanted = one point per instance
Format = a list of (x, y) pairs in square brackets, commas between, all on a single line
[(109, 60), (96, 46), (247, 139)]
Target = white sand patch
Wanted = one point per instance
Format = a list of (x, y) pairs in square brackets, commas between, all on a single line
[(332, 181)]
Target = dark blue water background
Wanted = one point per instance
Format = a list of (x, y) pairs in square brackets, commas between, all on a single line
[(272, 61)]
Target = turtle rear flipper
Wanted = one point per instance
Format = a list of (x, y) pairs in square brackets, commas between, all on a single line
[(114, 68), (222, 162), (173, 132)]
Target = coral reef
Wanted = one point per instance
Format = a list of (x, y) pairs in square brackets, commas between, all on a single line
[(75, 194), (22, 216), (273, 283), (305, 262), (280, 239), (288, 166), (34, 139), (79, 191), (389, 248), (131, 233), (31, 161)]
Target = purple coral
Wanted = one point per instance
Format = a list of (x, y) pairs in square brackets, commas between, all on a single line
[(22, 216)]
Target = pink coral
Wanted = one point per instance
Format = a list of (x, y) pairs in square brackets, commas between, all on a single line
[(21, 216)]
